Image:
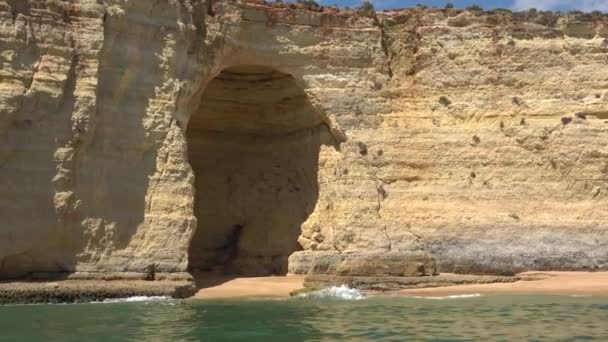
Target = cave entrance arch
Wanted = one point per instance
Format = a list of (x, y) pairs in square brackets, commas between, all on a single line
[(253, 145)]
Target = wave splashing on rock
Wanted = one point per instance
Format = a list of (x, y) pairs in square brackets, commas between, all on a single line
[(337, 292)]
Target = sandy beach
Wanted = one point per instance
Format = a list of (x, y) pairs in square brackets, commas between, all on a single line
[(210, 286), (214, 287), (548, 283), (552, 283)]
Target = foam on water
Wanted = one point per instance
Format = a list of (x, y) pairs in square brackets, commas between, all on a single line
[(135, 299), (472, 295), (338, 292)]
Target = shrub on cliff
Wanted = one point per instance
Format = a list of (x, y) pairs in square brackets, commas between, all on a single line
[(367, 9), (597, 14), (474, 8), (502, 10), (548, 19), (311, 5), (449, 5)]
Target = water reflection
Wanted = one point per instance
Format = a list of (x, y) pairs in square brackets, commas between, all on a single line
[(483, 318)]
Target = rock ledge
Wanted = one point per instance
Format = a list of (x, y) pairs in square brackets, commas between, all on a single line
[(400, 283)]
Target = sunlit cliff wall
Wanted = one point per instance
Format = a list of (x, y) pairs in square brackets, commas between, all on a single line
[(478, 138)]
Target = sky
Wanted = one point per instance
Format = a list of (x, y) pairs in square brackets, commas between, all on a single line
[(560, 5)]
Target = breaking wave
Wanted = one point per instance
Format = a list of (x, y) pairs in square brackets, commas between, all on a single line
[(135, 299), (337, 292)]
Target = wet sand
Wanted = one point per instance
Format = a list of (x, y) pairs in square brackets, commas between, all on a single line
[(547, 283)]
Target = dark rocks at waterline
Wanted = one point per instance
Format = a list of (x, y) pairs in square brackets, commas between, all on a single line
[(74, 291), (389, 283)]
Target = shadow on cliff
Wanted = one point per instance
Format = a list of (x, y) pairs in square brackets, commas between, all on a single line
[(116, 168), (38, 126)]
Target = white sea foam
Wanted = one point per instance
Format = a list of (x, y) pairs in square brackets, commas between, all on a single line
[(471, 295), (338, 292), (135, 299)]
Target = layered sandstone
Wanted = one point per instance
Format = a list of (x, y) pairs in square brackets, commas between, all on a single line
[(144, 136)]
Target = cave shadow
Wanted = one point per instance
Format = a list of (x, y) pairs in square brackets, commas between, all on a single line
[(254, 147), (204, 280)]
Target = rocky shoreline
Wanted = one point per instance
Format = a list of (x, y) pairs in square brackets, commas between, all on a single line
[(401, 283), (77, 288), (75, 291), (223, 287)]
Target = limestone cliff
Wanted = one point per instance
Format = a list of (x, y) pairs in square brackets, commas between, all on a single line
[(163, 136)]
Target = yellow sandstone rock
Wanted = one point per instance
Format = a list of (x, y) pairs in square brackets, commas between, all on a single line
[(156, 137)]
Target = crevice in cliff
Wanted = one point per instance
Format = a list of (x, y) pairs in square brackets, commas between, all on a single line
[(209, 8), (28, 82), (385, 49), (19, 7), (253, 145), (62, 181), (401, 42), (69, 88), (160, 175), (31, 57), (388, 238), (381, 196)]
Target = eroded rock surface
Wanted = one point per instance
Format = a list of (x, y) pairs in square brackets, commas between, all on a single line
[(477, 138), (363, 263), (70, 291), (389, 283)]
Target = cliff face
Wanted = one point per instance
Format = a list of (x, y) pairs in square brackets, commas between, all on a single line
[(141, 136)]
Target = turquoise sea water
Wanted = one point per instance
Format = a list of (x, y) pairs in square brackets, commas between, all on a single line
[(481, 318)]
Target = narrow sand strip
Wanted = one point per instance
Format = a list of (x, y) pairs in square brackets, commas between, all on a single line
[(547, 283), (550, 283)]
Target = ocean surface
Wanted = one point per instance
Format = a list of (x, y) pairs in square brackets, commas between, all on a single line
[(325, 317)]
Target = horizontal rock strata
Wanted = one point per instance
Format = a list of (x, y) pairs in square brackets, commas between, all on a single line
[(406, 264), (148, 137)]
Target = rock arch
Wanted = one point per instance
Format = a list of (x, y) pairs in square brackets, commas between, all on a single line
[(253, 144)]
